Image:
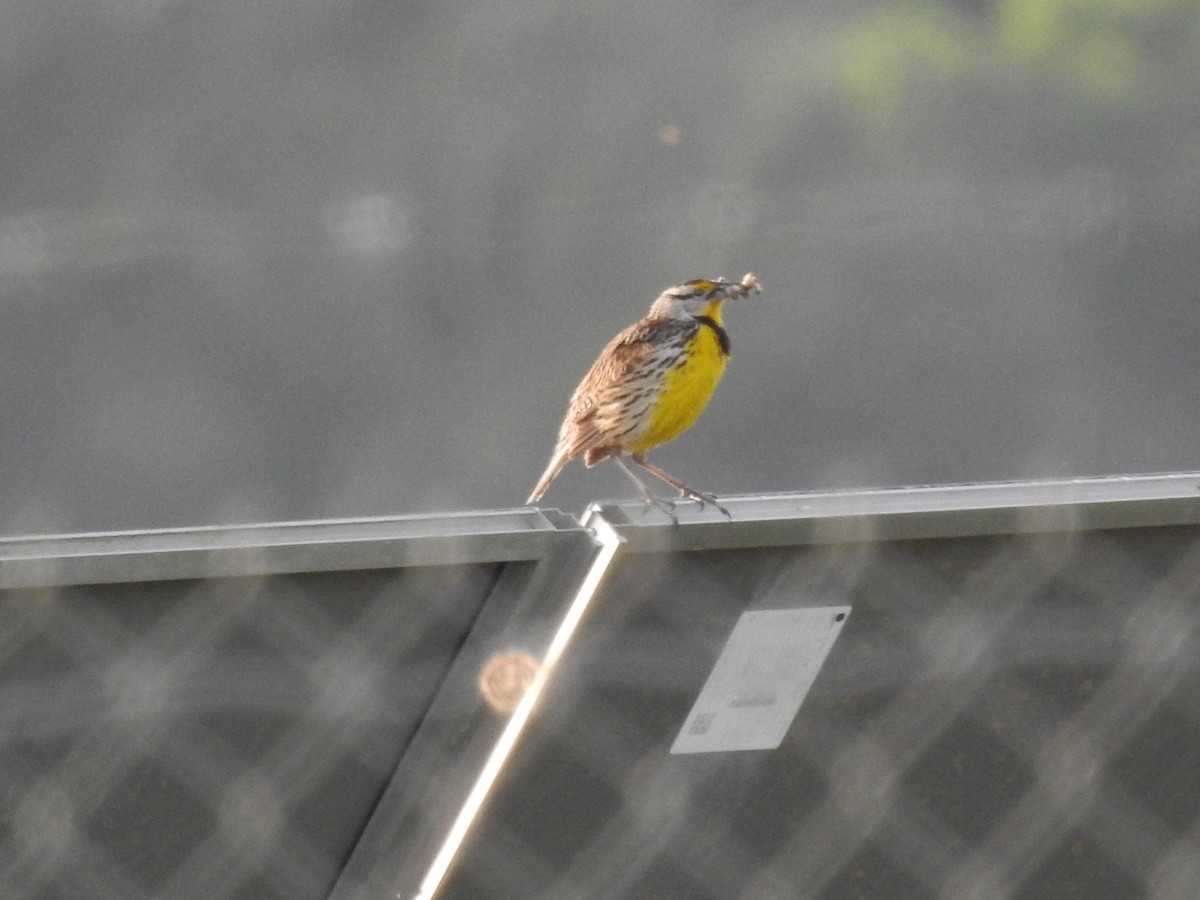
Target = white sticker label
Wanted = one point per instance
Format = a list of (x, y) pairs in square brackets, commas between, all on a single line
[(757, 685)]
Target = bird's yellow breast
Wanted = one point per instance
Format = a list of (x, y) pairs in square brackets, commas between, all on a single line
[(687, 387)]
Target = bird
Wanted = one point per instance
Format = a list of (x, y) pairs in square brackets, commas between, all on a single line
[(649, 385)]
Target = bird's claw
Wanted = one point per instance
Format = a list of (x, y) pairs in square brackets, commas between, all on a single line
[(706, 499), (665, 506)]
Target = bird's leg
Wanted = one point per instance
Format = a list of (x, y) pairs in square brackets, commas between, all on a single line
[(699, 496), (667, 506)]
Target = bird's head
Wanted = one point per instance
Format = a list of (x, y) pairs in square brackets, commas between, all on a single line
[(701, 297)]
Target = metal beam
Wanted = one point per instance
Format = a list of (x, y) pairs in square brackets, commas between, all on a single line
[(287, 547), (1016, 507)]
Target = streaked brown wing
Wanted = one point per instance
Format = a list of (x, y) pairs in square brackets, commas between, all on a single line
[(615, 396)]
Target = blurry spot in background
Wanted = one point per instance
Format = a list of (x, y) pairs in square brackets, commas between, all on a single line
[(671, 135), (368, 226), (504, 680), (107, 236)]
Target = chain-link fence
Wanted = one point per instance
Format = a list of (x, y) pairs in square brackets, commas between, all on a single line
[(1011, 717), (1005, 716), (218, 738)]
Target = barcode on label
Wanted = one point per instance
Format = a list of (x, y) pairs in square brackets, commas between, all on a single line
[(701, 723)]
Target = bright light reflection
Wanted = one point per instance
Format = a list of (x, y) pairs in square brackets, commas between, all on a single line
[(609, 541)]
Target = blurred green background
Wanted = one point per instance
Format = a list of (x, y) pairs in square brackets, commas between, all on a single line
[(274, 260)]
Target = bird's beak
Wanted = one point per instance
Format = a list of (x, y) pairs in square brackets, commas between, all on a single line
[(749, 285)]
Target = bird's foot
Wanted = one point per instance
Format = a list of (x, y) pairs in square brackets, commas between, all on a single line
[(705, 499), (665, 506)]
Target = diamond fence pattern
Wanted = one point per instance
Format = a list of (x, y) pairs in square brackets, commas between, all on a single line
[(221, 738), (1012, 717), (1001, 718)]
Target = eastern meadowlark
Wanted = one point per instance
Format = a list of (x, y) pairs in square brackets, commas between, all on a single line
[(649, 385)]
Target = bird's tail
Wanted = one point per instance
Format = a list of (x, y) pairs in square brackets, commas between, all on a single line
[(557, 461)]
